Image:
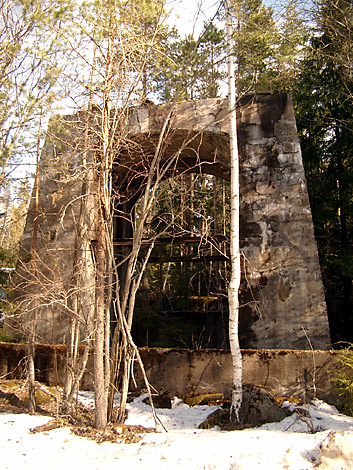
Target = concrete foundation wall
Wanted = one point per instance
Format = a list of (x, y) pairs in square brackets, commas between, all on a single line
[(292, 373)]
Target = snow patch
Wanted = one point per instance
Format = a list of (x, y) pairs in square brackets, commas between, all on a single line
[(316, 436)]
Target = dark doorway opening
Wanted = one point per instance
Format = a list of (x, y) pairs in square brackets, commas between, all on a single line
[(182, 300)]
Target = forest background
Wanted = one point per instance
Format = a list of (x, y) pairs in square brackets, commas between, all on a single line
[(57, 57)]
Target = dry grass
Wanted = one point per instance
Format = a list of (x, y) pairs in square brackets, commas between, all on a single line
[(14, 397)]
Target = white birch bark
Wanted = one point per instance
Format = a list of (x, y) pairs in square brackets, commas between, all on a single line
[(234, 283)]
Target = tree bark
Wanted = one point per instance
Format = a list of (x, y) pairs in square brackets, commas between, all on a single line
[(99, 374), (234, 284), (103, 252), (33, 273)]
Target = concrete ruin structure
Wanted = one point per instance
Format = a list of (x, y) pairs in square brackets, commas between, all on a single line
[(285, 305)]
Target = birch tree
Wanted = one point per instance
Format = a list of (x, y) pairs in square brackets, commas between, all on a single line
[(235, 277)]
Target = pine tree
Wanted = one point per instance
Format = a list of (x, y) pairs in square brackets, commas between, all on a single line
[(324, 115), (145, 20), (268, 44), (15, 206), (192, 68), (292, 34), (255, 36)]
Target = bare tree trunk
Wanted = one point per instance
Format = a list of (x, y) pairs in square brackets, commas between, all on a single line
[(103, 231), (31, 376), (75, 369), (99, 375), (32, 322), (123, 350), (234, 284)]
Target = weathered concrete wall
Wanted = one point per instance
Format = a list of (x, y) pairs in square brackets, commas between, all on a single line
[(282, 288), (50, 361), (277, 233), (292, 373), (65, 226), (283, 372)]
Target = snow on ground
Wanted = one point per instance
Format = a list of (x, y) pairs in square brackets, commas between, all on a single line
[(288, 445)]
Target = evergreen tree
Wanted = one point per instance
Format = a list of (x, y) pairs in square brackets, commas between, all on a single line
[(292, 34), (14, 205), (192, 68), (144, 22), (211, 52), (325, 121), (255, 36), (268, 44)]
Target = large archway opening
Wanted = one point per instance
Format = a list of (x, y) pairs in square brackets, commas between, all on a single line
[(182, 299)]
